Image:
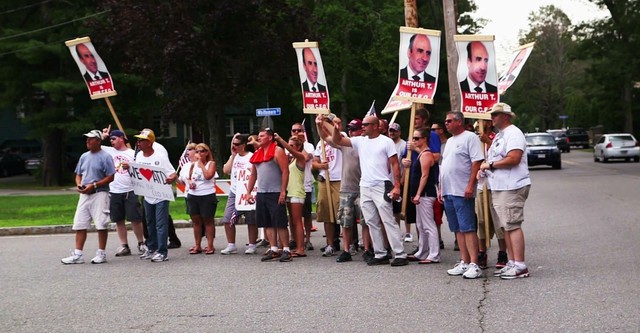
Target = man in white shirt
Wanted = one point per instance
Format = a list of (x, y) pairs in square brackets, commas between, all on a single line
[(508, 175)]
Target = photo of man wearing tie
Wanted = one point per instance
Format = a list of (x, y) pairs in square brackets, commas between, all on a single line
[(311, 68), (419, 54), (477, 63), (89, 61)]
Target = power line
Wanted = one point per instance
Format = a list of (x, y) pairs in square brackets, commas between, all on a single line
[(52, 26), (24, 7)]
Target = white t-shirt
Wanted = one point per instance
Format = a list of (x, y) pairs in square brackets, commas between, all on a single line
[(513, 178), (203, 186), (374, 158), (462, 150), (121, 181), (240, 171), (157, 160), (334, 156)]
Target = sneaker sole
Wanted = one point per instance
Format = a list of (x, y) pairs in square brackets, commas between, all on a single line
[(228, 253), (72, 263), (513, 277)]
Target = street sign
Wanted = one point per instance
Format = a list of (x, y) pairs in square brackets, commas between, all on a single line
[(268, 112), (563, 116)]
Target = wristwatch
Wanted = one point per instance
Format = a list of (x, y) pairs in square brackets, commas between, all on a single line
[(95, 185), (491, 166)]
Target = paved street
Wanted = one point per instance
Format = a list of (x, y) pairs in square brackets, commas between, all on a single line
[(582, 231)]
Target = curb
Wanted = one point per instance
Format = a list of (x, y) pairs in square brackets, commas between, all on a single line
[(66, 229)]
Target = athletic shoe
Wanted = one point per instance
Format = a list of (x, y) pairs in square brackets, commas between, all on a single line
[(514, 272), (482, 260), (502, 259), (367, 256), (344, 257), (73, 259), (100, 258), (270, 255), (378, 261), (123, 251), (328, 251), (408, 238), (353, 249), (159, 257), (473, 272), (503, 269), (286, 256), (458, 269), (148, 254), (262, 243), (399, 262), (142, 247), (230, 249), (251, 250), (308, 246)]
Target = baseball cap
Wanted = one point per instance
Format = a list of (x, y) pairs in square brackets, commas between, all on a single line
[(355, 124), (146, 134), (502, 108), (119, 133), (394, 127), (94, 134)]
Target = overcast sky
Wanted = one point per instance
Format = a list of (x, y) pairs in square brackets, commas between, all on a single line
[(507, 17)]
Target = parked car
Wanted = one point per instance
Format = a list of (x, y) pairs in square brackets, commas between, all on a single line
[(32, 164), (11, 164), (578, 137), (542, 150), (620, 145), (561, 139)]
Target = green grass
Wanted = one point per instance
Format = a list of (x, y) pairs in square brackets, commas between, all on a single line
[(23, 211)]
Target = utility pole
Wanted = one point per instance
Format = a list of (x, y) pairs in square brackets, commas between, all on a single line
[(450, 28), (411, 13)]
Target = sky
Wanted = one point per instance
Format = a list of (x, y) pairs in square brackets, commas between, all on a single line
[(507, 17)]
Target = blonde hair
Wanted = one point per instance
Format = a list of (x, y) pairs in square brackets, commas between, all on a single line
[(191, 145), (205, 147)]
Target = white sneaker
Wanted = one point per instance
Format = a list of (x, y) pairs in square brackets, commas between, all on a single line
[(473, 272), (328, 251), (458, 269), (147, 255), (159, 257), (230, 249), (100, 258), (123, 251), (408, 238), (73, 259), (142, 248), (515, 272), (251, 250), (504, 269)]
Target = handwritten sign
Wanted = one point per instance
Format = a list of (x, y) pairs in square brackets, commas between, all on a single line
[(242, 190), (150, 181)]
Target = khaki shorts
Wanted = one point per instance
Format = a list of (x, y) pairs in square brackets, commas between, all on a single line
[(322, 208), (508, 207), (92, 207)]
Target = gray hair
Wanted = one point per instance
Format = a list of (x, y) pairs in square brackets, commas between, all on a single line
[(457, 115)]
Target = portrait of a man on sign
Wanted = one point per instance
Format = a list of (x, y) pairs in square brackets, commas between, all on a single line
[(477, 74), (418, 60), (315, 95), (93, 69), (520, 56)]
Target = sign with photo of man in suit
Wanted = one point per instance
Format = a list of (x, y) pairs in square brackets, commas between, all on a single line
[(519, 56), (92, 68), (419, 62), (315, 94), (477, 74)]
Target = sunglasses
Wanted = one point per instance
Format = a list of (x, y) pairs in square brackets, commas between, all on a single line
[(201, 151), (416, 138), (448, 121), (297, 130), (366, 124)]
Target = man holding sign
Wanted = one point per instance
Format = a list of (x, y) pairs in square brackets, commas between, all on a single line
[(156, 209)]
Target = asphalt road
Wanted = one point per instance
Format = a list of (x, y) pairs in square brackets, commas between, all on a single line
[(582, 245)]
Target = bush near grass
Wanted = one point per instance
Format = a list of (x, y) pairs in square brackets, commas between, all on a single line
[(31, 211)]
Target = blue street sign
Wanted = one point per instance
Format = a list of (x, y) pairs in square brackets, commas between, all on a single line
[(267, 112), (563, 116)]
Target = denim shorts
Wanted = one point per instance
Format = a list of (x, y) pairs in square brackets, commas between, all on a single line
[(461, 213)]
